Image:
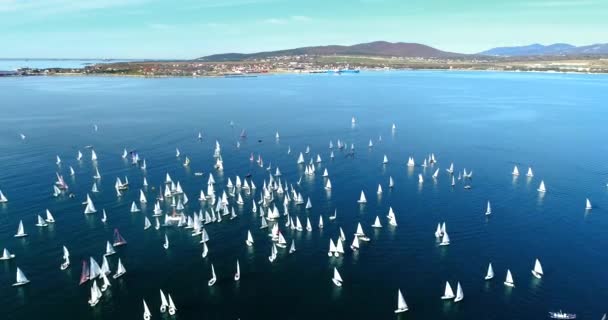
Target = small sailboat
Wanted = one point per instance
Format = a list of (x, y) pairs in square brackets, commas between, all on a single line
[(118, 239), (20, 231), (41, 222), (205, 250), (213, 279), (445, 240), (320, 222), (120, 270), (538, 270), (379, 192), (109, 249), (515, 171), (420, 178), (3, 198), (401, 305), (6, 255), (334, 216), (163, 302), (337, 279), (292, 248), (237, 275), (328, 184), (509, 280), (95, 294), (106, 282), (588, 204), (66, 259), (542, 188), (172, 307), (355, 244), (249, 240), (459, 293), (377, 223), (93, 155), (447, 293), (410, 162), (530, 174), (362, 198), (58, 162), (134, 207), (385, 161), (147, 223), (166, 244), (21, 279), (147, 314), (488, 209), (104, 217), (490, 273)]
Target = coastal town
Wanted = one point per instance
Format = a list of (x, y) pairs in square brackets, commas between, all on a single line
[(325, 64)]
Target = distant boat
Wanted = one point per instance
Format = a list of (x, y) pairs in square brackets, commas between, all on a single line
[(49, 217), (377, 223), (447, 293), (410, 162), (20, 230), (529, 174), (515, 171), (109, 249), (118, 239), (445, 240), (120, 270), (436, 174), (420, 178), (93, 155), (488, 209), (166, 244), (450, 170), (401, 305), (3, 198), (21, 279), (134, 207), (337, 279), (563, 315), (66, 259), (392, 219), (385, 161), (163, 302), (320, 222), (237, 275), (147, 314), (292, 248), (379, 192), (334, 216), (490, 273), (588, 204), (41, 222), (391, 183), (95, 294), (459, 293), (542, 188), (249, 240), (509, 280), (6, 255), (362, 198), (538, 270)]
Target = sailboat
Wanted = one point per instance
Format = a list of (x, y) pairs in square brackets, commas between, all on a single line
[(420, 178), (249, 240), (118, 239), (94, 188), (391, 183), (147, 223), (104, 217), (273, 253), (529, 174), (515, 171), (447, 293), (332, 248), (66, 259), (58, 162), (72, 172), (360, 234), (211, 281), (166, 244), (334, 216), (301, 158), (542, 188), (355, 244), (97, 174), (308, 225), (142, 197), (588, 204), (377, 223), (21, 279), (93, 155), (3, 198), (281, 242), (205, 250), (6, 255), (147, 314), (445, 240), (459, 293), (337, 279), (90, 208), (509, 280), (385, 161), (401, 305), (41, 222), (106, 282), (538, 269), (134, 207), (362, 198), (392, 219), (172, 308), (95, 294), (237, 275), (410, 162), (488, 209), (328, 184), (450, 170), (163, 302), (379, 192), (20, 231), (120, 270), (490, 273), (109, 249)]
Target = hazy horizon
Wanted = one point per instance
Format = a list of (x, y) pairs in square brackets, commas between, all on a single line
[(154, 29)]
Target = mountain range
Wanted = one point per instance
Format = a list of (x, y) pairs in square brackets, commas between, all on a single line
[(403, 49), (556, 49)]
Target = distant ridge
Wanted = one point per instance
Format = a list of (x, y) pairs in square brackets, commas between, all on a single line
[(377, 48), (556, 49)]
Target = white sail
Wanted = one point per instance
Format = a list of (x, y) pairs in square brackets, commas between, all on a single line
[(142, 197), (588, 204), (332, 248), (90, 208), (379, 189), (538, 269), (166, 244), (301, 158), (459, 293), (445, 240), (447, 293), (401, 305), (362, 198), (109, 249), (410, 162), (529, 174), (93, 155), (420, 178), (237, 275), (542, 188), (95, 294), (94, 269), (104, 217), (20, 230), (308, 204), (328, 184), (436, 174), (355, 244), (7, 255), (147, 223), (134, 207), (488, 209), (509, 280), (490, 273), (120, 270), (163, 302), (377, 223), (72, 172), (147, 313), (21, 278), (385, 160), (249, 240), (41, 222), (320, 222), (213, 277), (515, 171), (337, 279)]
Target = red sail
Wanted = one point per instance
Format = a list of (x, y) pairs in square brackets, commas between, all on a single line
[(118, 239), (84, 277)]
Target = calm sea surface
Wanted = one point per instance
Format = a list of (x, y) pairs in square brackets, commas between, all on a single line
[(485, 122)]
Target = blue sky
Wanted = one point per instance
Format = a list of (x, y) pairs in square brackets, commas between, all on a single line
[(193, 28)]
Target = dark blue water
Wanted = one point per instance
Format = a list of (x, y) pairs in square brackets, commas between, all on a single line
[(487, 122)]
